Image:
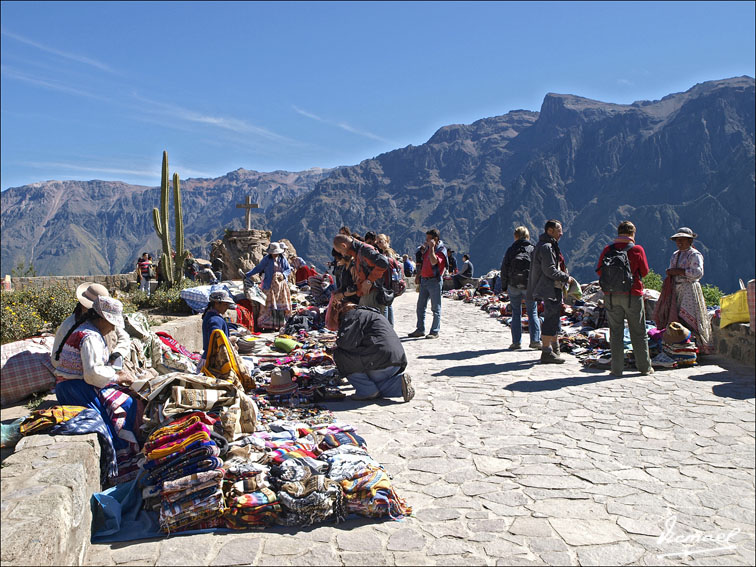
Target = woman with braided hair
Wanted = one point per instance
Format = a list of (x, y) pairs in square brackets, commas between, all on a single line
[(85, 376)]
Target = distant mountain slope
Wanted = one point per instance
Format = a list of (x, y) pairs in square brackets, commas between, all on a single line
[(93, 227), (687, 159), (684, 160)]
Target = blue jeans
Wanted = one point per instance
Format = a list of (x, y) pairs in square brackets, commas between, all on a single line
[(388, 313), (516, 297), (144, 285), (430, 288), (387, 382)]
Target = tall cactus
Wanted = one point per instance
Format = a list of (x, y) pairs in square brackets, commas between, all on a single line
[(172, 268)]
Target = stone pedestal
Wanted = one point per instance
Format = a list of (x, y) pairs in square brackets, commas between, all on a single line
[(243, 250)]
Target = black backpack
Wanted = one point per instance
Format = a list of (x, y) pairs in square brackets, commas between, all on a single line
[(616, 275), (519, 269)]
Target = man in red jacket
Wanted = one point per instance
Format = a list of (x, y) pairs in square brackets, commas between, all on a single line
[(623, 298)]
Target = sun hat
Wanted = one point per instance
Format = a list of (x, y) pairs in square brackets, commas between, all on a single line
[(683, 232), (675, 333), (222, 296), (88, 291), (276, 248), (109, 309), (281, 382)]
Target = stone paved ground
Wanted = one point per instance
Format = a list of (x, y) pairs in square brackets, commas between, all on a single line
[(509, 462)]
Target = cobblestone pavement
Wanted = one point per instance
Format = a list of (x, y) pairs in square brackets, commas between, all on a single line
[(508, 462)]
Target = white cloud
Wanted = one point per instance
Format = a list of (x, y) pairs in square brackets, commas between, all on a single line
[(12, 73), (625, 82), (59, 53), (342, 125)]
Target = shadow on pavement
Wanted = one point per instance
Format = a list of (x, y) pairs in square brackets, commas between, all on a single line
[(557, 383), (463, 355), (734, 386), (480, 369)]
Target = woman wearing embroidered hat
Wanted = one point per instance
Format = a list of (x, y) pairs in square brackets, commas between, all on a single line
[(686, 268), (275, 269), (86, 378), (118, 340)]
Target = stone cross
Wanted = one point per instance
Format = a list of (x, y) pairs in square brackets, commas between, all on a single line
[(248, 205)]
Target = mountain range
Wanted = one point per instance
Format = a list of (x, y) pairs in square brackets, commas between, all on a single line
[(684, 160)]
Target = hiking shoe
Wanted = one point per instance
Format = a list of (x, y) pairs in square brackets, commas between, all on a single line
[(515, 346), (536, 345), (549, 357), (431, 336), (416, 334), (408, 392), (616, 374)]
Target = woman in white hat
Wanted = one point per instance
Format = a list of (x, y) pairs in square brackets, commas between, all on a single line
[(275, 269), (85, 377), (118, 340), (686, 268)]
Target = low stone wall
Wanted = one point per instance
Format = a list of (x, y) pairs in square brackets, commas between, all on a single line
[(47, 485), (736, 341), (122, 282)]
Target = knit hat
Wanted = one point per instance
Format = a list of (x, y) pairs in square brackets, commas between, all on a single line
[(675, 333), (683, 232), (88, 291), (222, 296), (109, 309), (281, 382)]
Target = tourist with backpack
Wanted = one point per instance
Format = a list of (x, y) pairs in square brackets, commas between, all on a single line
[(621, 266), (515, 270), (546, 281)]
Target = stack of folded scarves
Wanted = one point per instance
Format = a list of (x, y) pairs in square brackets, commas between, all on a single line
[(685, 354), (251, 503), (182, 467)]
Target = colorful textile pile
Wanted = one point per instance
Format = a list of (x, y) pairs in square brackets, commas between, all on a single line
[(183, 469)]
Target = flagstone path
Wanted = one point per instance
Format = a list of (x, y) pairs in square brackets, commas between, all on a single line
[(508, 462)]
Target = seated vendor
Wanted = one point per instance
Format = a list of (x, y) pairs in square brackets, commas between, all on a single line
[(369, 353), (212, 318), (303, 271), (118, 340), (86, 378)]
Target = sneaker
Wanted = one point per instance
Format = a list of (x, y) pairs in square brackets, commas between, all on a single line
[(431, 336), (416, 334), (536, 345), (549, 357), (515, 346), (408, 392), (365, 398), (648, 372)]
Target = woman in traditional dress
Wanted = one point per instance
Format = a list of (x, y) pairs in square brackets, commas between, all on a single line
[(275, 269), (85, 377), (686, 268)]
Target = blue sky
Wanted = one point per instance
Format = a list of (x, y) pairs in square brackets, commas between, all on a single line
[(97, 90)]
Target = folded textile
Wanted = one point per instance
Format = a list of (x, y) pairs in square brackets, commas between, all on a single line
[(178, 445), (90, 421), (332, 440), (42, 420)]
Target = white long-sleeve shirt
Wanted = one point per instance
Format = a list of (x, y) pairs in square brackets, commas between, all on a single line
[(123, 341), (85, 357)]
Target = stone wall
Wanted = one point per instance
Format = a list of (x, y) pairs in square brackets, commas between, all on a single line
[(47, 484), (736, 341), (122, 282)]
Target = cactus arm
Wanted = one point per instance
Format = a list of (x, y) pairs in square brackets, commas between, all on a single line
[(157, 223)]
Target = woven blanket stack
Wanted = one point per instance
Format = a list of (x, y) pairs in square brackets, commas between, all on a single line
[(184, 471)]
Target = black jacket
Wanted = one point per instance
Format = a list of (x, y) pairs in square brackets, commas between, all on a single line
[(509, 255), (367, 341), (545, 274)]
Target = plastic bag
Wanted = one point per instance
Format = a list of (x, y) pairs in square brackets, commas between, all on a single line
[(734, 309)]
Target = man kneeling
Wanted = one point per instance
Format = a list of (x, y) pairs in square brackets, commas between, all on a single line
[(370, 354)]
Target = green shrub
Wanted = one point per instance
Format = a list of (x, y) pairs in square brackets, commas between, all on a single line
[(168, 300), (19, 319), (712, 294), (653, 281)]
